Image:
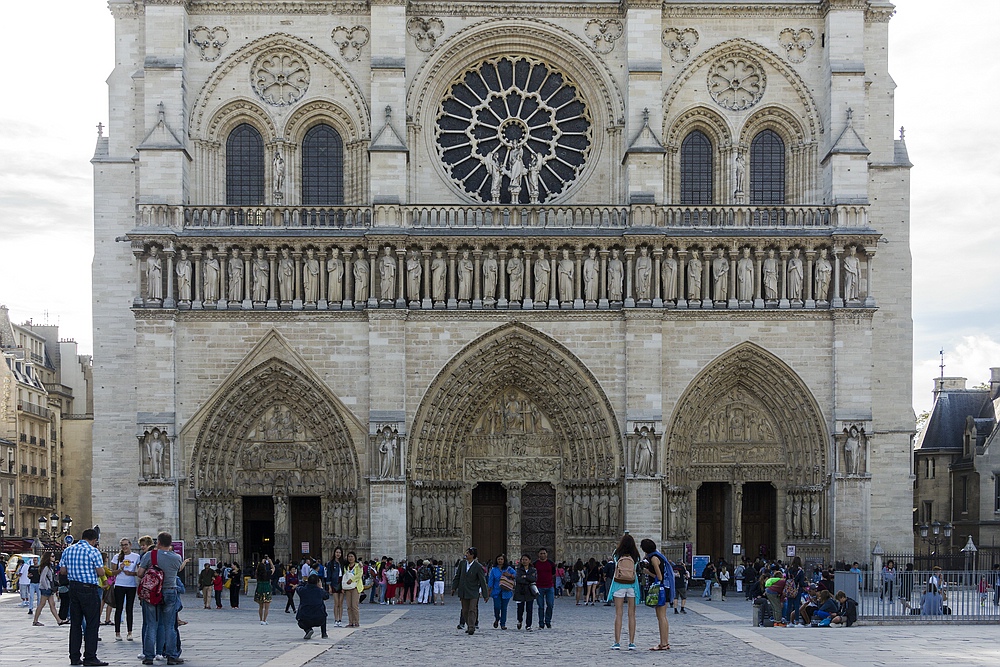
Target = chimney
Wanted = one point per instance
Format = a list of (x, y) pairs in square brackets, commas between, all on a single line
[(948, 384), (994, 383)]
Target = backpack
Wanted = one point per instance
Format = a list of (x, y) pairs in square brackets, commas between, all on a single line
[(151, 584), (791, 589), (625, 570), (391, 576)]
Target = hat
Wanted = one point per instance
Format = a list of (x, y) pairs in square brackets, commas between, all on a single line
[(427, 562)]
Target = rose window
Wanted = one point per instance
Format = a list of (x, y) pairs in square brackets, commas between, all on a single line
[(280, 78), (513, 130), (736, 83)]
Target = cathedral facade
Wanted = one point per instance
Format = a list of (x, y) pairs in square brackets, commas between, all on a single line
[(409, 276)]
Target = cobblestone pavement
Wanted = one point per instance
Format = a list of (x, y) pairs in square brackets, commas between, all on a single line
[(426, 635)]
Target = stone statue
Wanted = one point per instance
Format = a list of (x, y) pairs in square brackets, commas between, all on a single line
[(154, 274), (362, 273), (644, 454), (615, 274), (286, 276), (450, 511), (643, 273), (439, 276), (789, 517), (720, 275), (823, 272), (744, 276), (534, 172), (515, 171), (413, 274), (578, 510), (459, 511), (568, 511), (795, 276), (694, 277), (495, 171), (853, 442), (567, 271), (278, 169), (591, 274), (280, 514), (770, 276), (465, 276), (586, 518), (417, 512), (387, 274), (184, 277), (202, 519), (740, 171), (514, 512), (229, 525), (154, 453), (490, 269), (814, 515), (614, 507), (310, 277), (261, 270), (211, 276), (335, 276), (852, 275), (515, 270), (235, 270), (800, 520), (542, 273), (387, 453), (668, 271)]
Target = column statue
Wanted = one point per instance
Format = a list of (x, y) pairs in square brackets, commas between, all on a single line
[(439, 276), (567, 270), (490, 268), (643, 271), (795, 276), (361, 276), (387, 275), (644, 454), (261, 271), (235, 270), (534, 172), (184, 272), (211, 276), (310, 277), (542, 274), (286, 276), (514, 512), (744, 276), (668, 270), (154, 274), (335, 276), (770, 276), (417, 512), (616, 271), (852, 275), (823, 272), (387, 453), (515, 270), (591, 275), (694, 277), (465, 269), (413, 274), (720, 275), (495, 171)]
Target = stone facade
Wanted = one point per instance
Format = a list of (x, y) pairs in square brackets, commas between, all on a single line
[(525, 291)]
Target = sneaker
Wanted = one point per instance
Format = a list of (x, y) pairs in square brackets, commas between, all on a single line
[(675, 610), (175, 661), (324, 636), (528, 629), (129, 638), (683, 610), (616, 647), (118, 638), (632, 647), (496, 624), (309, 634), (519, 625)]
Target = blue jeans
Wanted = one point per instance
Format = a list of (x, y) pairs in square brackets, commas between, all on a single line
[(789, 609), (708, 589), (159, 634), (546, 600), (500, 609), (34, 596)]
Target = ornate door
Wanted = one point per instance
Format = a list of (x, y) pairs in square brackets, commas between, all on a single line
[(759, 530), (538, 518), (489, 520), (712, 519)]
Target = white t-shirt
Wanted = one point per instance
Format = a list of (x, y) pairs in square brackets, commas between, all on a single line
[(129, 562), (24, 580)]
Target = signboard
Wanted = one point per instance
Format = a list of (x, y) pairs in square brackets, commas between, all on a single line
[(790, 550), (178, 547), (202, 561), (68, 540), (698, 565), (305, 548), (233, 548), (737, 549)]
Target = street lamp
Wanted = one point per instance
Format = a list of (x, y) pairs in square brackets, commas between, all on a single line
[(3, 527), (970, 550), (67, 523), (936, 534)]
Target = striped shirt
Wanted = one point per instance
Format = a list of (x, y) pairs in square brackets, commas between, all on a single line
[(81, 560)]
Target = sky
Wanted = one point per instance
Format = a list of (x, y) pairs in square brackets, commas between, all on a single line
[(941, 58)]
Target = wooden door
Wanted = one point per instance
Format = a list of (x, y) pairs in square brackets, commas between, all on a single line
[(258, 529), (759, 530), (307, 526), (538, 519), (711, 519), (489, 520)]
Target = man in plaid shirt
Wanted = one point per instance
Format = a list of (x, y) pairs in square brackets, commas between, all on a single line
[(82, 563)]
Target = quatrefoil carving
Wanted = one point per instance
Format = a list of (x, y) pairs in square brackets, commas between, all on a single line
[(350, 41), (604, 34), (210, 41), (679, 42), (425, 31), (796, 43)]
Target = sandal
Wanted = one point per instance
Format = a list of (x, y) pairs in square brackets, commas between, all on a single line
[(37, 623), (661, 647)]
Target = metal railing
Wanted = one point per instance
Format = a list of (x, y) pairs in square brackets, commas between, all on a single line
[(969, 594)]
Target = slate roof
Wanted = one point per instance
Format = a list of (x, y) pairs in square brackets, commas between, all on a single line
[(946, 426)]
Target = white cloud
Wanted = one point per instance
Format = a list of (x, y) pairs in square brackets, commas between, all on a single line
[(970, 357)]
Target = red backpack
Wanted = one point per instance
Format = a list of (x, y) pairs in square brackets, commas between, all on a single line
[(151, 585)]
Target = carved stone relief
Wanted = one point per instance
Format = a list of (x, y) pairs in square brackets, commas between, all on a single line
[(853, 446), (387, 452), (437, 510), (350, 41), (736, 82), (425, 32), (215, 518), (155, 451), (804, 514), (679, 42), (678, 501), (210, 41), (796, 43), (591, 509), (280, 77), (604, 34), (642, 444)]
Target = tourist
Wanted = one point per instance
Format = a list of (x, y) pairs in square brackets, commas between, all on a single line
[(593, 577), (262, 594), (107, 584), (560, 578), (546, 582), (353, 584), (468, 584), (623, 588), (828, 608), (847, 613), (501, 582), (291, 580), (438, 584), (723, 578), (123, 566), (681, 577), (425, 576), (932, 602), (312, 607), (82, 564), (205, 578), (218, 583), (335, 574), (525, 590), (234, 581), (45, 588), (888, 580), (580, 580), (774, 589), (163, 619), (795, 581), (663, 578), (708, 574)]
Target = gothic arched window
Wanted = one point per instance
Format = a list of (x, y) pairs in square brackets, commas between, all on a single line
[(244, 167), (767, 169), (696, 169), (322, 167)]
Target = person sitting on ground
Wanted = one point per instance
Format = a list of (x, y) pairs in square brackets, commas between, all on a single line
[(312, 607), (810, 605), (931, 602), (828, 608), (848, 613)]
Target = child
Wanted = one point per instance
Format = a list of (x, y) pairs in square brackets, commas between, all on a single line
[(983, 588)]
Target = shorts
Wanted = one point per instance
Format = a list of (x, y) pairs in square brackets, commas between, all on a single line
[(624, 593), (682, 592), (46, 592), (438, 588)]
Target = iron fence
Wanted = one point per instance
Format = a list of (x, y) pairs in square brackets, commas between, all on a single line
[(966, 594)]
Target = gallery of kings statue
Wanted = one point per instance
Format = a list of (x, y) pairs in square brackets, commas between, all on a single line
[(409, 276)]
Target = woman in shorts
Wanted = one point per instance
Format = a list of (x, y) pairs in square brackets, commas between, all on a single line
[(622, 592)]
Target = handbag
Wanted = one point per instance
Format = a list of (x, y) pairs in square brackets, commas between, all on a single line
[(228, 584), (507, 581), (534, 590), (656, 596)]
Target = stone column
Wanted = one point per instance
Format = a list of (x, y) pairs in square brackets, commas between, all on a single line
[(502, 278), (554, 279), (168, 296), (629, 298), (870, 287), (706, 279), (783, 293), (758, 299), (734, 301), (657, 282), (682, 257), (223, 303), (297, 296), (426, 302), (197, 279), (282, 528), (348, 302), (452, 280), (322, 303), (527, 303), (477, 279), (808, 280), (514, 513), (272, 302), (578, 287), (247, 281), (138, 301), (738, 511), (602, 303), (401, 278), (838, 299), (373, 275)]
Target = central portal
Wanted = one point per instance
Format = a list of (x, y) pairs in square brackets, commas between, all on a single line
[(489, 520)]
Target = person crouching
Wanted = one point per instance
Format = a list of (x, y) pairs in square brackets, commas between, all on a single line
[(312, 607)]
